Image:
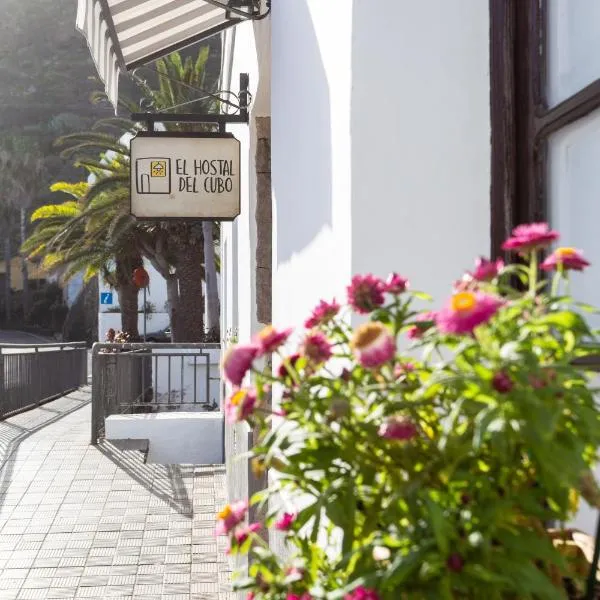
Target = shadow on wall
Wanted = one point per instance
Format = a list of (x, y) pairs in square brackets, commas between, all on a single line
[(302, 180)]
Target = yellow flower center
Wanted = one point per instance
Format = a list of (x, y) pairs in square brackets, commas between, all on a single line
[(463, 301), (266, 332), (226, 512), (564, 252), (366, 334), (237, 398)]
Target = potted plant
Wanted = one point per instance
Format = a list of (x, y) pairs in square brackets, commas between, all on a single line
[(432, 473)]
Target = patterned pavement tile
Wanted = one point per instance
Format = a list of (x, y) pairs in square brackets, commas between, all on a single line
[(82, 521)]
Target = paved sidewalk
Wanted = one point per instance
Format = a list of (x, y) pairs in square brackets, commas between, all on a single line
[(78, 521)]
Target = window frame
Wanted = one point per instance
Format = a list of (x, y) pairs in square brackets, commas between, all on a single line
[(521, 120)]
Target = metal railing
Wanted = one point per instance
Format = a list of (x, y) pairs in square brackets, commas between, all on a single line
[(34, 373), (149, 377)]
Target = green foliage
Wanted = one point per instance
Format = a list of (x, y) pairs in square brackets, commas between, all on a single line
[(496, 433)]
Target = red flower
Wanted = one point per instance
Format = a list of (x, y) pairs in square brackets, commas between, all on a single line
[(399, 429), (395, 284), (238, 361), (231, 516), (316, 347), (486, 270), (362, 593), (241, 534), (423, 322), (322, 313), (530, 237), (283, 370), (568, 259), (365, 293), (455, 563), (270, 339), (373, 344), (239, 406), (502, 383), (467, 310), (285, 523)]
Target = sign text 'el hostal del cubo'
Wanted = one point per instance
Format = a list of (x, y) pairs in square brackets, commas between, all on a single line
[(186, 176)]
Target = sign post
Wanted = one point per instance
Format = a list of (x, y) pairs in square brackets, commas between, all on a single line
[(181, 175)]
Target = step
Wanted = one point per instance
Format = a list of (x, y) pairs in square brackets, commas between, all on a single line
[(172, 437)]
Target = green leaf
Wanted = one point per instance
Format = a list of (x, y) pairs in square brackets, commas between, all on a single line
[(482, 423), (438, 524)]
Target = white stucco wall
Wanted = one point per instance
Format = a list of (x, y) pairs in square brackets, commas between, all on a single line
[(420, 130)]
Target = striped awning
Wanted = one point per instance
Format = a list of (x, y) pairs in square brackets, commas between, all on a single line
[(125, 34)]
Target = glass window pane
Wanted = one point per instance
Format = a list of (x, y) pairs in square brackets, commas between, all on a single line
[(574, 210), (572, 47)]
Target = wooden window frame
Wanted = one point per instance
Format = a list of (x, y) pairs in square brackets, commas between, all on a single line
[(521, 120)]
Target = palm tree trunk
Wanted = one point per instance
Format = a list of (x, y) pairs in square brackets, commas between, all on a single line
[(210, 273), (24, 272), (190, 315), (128, 294), (174, 309)]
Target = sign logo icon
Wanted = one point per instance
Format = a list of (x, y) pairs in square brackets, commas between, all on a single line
[(158, 168), (153, 175), (106, 298)]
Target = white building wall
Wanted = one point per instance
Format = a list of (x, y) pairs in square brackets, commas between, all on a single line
[(310, 153), (420, 130)]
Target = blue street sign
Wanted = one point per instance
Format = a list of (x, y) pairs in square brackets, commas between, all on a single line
[(106, 298)]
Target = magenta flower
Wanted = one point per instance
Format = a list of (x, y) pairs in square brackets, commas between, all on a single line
[(486, 270), (241, 534), (502, 383), (305, 596), (270, 339), (316, 347), (239, 406), (365, 293), (530, 237), (285, 523), (398, 428), (291, 361), (231, 516), (467, 310), (362, 593), (250, 596), (373, 344), (423, 322), (569, 259), (322, 313), (238, 361), (455, 563), (395, 284)]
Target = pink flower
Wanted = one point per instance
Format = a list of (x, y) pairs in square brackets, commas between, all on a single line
[(231, 516), (365, 293), (270, 339), (250, 596), (467, 310), (502, 383), (285, 523), (241, 534), (238, 361), (322, 313), (305, 596), (530, 237), (402, 369), (569, 259), (373, 344), (239, 405), (291, 361), (362, 593), (398, 428), (486, 270), (395, 284), (423, 322), (316, 347), (294, 574)]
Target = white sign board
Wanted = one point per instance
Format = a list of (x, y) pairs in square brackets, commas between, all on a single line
[(185, 176)]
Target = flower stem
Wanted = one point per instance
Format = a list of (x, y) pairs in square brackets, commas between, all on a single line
[(533, 272)]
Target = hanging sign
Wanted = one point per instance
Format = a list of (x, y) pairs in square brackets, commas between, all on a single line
[(185, 176)]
